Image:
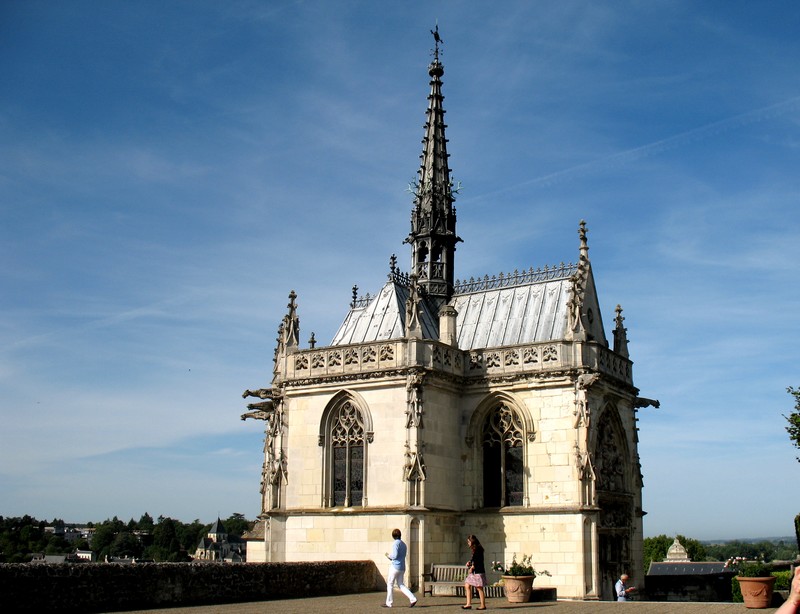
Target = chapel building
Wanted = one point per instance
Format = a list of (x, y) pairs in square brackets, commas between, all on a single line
[(493, 406)]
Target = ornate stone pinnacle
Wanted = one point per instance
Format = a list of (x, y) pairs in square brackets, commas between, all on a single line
[(582, 235)]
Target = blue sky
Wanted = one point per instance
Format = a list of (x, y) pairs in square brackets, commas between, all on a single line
[(170, 171)]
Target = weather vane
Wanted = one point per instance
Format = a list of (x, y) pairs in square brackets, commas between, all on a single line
[(437, 39)]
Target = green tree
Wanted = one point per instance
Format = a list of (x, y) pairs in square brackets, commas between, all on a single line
[(794, 420), (32, 537), (784, 551), (797, 530), (126, 544), (762, 550), (56, 545), (166, 545), (191, 534), (104, 535), (146, 523), (165, 534), (117, 524), (655, 549), (236, 525), (9, 544)]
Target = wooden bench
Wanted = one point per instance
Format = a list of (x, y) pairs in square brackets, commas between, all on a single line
[(448, 581), (544, 593), (491, 590), (444, 580)]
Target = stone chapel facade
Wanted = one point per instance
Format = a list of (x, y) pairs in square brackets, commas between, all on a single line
[(493, 406)]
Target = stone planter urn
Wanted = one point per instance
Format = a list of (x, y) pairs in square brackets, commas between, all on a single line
[(518, 588), (756, 592)]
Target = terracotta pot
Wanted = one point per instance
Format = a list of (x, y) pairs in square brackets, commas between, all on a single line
[(756, 592), (518, 588)]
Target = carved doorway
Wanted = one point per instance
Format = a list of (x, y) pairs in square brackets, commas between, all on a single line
[(615, 500), (614, 534)]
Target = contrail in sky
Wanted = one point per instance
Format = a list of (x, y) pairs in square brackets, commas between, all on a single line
[(148, 311), (630, 156)]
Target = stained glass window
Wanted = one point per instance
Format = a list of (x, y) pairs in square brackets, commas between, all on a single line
[(347, 442), (503, 464)]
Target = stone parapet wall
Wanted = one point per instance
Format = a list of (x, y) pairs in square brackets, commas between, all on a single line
[(392, 357), (104, 587)]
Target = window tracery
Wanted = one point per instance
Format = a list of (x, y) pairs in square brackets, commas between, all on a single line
[(347, 456), (503, 462)]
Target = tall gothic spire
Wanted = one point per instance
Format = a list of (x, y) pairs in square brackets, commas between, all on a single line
[(433, 220)]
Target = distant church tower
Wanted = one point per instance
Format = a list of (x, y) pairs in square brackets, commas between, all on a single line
[(492, 406)]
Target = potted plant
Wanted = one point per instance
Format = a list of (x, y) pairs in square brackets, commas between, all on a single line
[(755, 581), (518, 578)]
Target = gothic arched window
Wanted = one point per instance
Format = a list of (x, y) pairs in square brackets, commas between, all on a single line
[(503, 463), (347, 456)]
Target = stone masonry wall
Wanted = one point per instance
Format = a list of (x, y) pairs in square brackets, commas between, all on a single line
[(104, 587)]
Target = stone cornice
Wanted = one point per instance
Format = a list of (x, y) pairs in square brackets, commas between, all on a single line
[(389, 510), (357, 511), (491, 366)]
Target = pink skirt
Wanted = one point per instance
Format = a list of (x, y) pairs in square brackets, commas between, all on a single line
[(476, 579)]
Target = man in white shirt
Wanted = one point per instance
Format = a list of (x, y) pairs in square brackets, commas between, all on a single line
[(397, 570), (621, 588)]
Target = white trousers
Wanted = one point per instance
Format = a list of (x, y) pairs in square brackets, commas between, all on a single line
[(396, 576)]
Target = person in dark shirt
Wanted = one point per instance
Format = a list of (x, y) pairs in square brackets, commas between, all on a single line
[(477, 574)]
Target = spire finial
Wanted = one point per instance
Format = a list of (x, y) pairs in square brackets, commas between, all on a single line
[(355, 296), (620, 333), (291, 323), (584, 241), (437, 41)]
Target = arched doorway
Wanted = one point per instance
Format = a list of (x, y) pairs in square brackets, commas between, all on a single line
[(615, 499)]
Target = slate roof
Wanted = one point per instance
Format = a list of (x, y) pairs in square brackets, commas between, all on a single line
[(502, 316), (206, 543), (217, 528), (256, 533), (527, 307), (383, 317)]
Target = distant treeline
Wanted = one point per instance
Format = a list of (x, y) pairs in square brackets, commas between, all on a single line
[(164, 539), (781, 549)]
